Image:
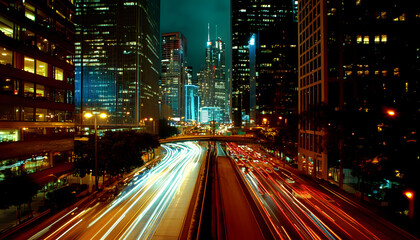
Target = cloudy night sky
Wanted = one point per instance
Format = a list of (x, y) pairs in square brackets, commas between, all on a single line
[(190, 17)]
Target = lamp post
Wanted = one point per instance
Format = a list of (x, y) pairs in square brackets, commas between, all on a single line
[(410, 195), (101, 115)]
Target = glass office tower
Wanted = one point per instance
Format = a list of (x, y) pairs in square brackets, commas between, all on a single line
[(192, 103), (264, 81), (117, 60), (173, 77)]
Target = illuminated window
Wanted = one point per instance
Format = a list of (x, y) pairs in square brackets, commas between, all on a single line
[(396, 72), (384, 38), (28, 89), (359, 38), (58, 74), (6, 27), (40, 91), (41, 115), (30, 11), (6, 57), (42, 44), (366, 40), (29, 64), (377, 38), (41, 68), (381, 15)]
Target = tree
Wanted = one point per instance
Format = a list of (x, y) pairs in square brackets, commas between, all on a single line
[(165, 130), (18, 190), (118, 152)]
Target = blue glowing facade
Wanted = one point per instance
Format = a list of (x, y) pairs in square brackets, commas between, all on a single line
[(117, 61), (192, 103)]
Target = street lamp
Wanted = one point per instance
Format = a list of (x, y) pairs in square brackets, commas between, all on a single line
[(95, 115), (410, 195)]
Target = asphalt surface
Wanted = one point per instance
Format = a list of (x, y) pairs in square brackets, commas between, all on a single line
[(134, 213), (301, 209)]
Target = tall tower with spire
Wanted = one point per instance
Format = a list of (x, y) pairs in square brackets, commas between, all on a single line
[(212, 78)]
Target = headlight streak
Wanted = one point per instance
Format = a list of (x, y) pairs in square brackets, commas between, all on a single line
[(65, 225), (43, 231), (137, 212), (322, 212), (173, 180), (135, 190), (174, 166)]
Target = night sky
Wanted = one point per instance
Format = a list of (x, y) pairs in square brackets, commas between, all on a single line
[(190, 17)]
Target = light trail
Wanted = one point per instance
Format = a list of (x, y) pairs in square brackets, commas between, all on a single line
[(137, 211), (310, 213)]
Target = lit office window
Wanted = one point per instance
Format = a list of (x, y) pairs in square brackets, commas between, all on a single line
[(6, 57), (41, 68), (6, 27), (42, 44), (29, 64), (40, 91), (359, 38), (30, 11), (366, 40), (58, 74), (384, 38), (28, 89), (41, 115)]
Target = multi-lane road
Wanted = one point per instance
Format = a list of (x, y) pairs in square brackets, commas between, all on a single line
[(299, 209), (252, 195), (140, 211)]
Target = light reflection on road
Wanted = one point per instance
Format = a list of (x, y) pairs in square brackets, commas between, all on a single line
[(137, 211)]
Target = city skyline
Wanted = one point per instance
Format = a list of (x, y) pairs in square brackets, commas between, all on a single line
[(188, 17), (244, 119)]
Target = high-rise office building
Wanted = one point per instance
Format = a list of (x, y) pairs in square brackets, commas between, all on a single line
[(37, 89), (192, 103), (212, 78), (172, 81), (117, 60), (359, 56), (189, 75), (264, 64)]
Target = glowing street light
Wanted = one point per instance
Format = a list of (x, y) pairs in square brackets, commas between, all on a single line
[(101, 115), (391, 113), (410, 195)]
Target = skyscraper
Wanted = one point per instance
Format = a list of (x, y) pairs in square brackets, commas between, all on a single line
[(358, 56), (37, 88), (212, 78), (117, 59), (192, 103), (174, 52), (264, 64)]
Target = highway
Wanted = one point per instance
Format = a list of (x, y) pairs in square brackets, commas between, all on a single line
[(300, 209), (136, 212)]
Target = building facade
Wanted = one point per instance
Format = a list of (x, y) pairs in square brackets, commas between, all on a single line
[(357, 56), (117, 60), (37, 89), (264, 64), (172, 81), (192, 103)]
